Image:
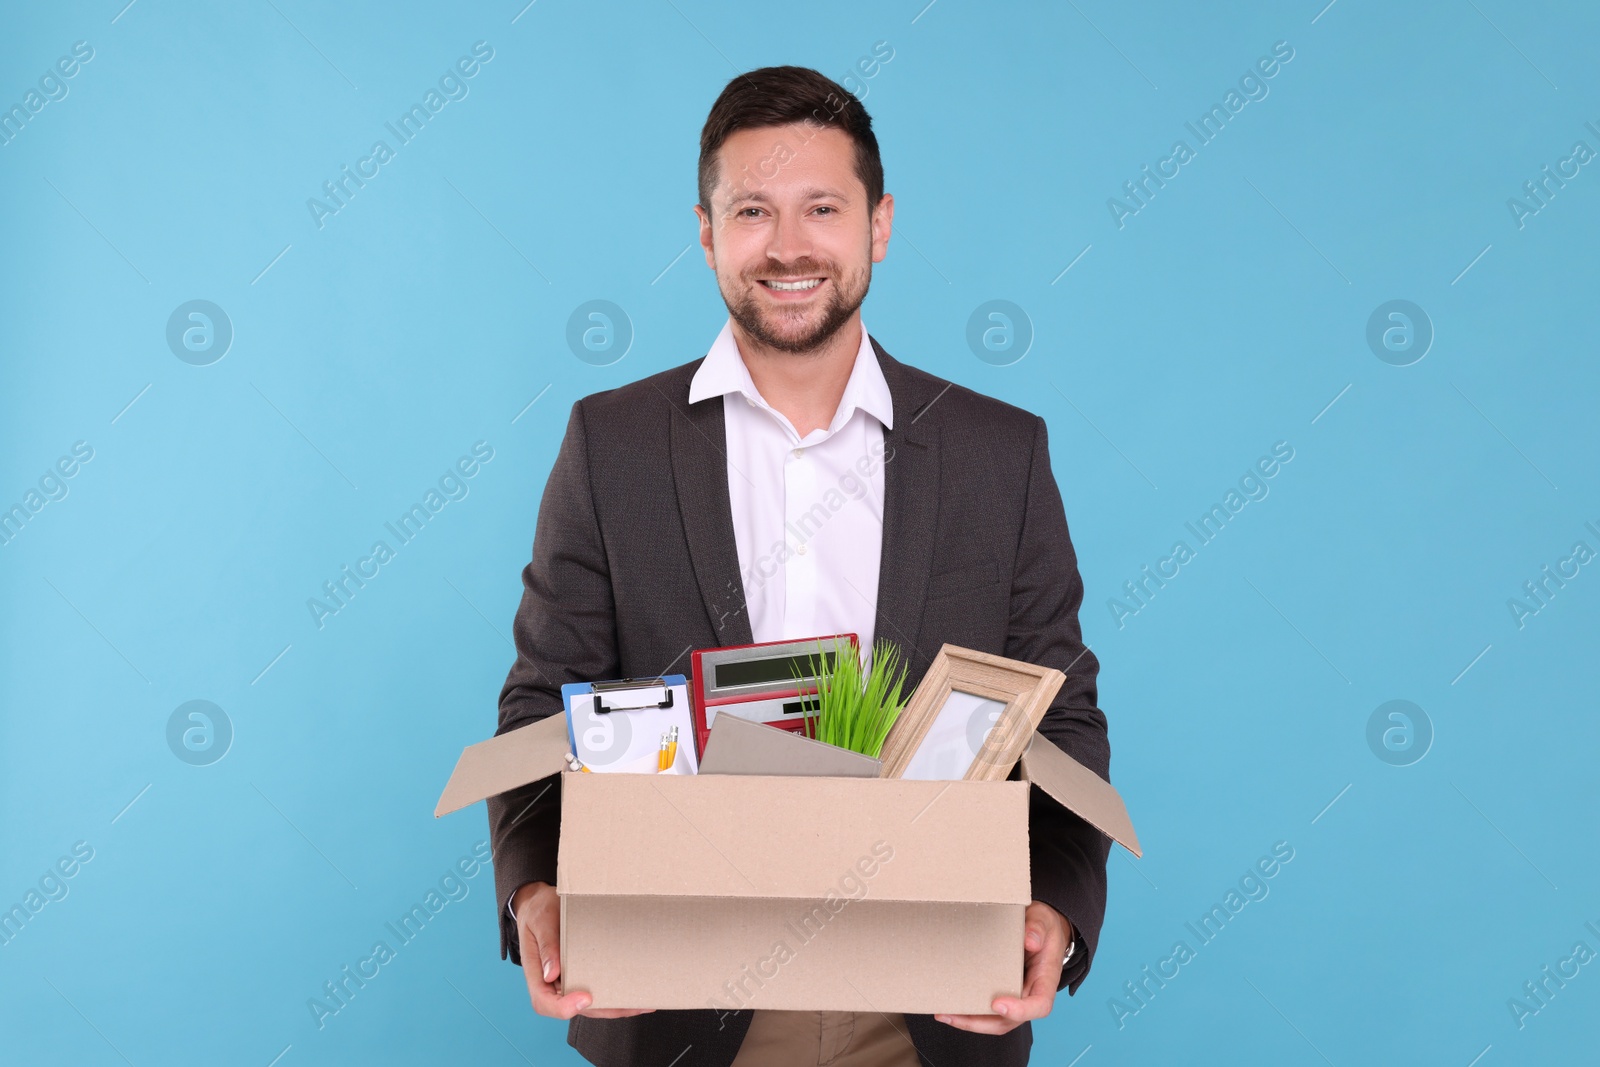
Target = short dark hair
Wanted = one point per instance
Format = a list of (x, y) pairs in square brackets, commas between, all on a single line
[(779, 96)]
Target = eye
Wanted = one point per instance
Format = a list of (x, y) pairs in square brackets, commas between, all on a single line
[(826, 210), (749, 212)]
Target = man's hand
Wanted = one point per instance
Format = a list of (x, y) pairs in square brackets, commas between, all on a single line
[(1046, 935), (538, 911)]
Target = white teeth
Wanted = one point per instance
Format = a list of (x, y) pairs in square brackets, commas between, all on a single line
[(790, 287)]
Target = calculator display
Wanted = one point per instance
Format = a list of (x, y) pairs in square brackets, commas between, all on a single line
[(776, 669)]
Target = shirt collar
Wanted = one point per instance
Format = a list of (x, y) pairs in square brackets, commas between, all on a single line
[(724, 372)]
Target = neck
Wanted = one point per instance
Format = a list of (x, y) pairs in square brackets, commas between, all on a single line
[(805, 387)]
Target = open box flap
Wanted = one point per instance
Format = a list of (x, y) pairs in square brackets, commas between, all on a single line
[(798, 838), (501, 763), (1079, 790)]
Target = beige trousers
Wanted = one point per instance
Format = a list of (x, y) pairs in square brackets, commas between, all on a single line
[(827, 1039)]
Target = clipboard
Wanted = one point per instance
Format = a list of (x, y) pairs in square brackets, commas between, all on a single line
[(617, 726)]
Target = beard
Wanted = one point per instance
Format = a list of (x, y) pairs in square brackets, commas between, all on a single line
[(799, 330)]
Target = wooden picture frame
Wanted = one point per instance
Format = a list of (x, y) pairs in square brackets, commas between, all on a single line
[(972, 717)]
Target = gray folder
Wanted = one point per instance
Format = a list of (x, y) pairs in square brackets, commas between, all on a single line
[(743, 746)]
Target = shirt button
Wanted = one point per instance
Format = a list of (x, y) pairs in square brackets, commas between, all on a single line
[(798, 453), (801, 550)]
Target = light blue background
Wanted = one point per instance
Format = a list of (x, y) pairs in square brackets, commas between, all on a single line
[(1225, 316)]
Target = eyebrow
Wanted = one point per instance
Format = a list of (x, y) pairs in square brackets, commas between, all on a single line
[(811, 193)]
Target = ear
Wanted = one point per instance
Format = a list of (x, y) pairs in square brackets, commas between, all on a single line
[(705, 236), (882, 225)]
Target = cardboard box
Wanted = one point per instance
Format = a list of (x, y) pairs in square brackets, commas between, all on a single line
[(793, 893)]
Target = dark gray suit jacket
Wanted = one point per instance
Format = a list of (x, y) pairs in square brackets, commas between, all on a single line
[(634, 564)]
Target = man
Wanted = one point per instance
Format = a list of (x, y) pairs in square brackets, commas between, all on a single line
[(799, 481)]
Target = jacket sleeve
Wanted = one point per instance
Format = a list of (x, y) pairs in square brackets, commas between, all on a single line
[(565, 631), (1068, 855)]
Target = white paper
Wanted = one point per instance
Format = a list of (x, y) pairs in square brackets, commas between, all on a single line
[(955, 738), (629, 741)]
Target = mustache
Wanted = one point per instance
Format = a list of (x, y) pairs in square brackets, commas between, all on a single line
[(803, 268)]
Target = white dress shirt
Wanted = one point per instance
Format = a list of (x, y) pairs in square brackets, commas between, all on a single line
[(807, 512)]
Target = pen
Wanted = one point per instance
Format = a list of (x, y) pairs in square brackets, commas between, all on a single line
[(669, 749), (662, 761)]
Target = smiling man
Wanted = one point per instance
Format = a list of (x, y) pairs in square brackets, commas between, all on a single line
[(798, 481)]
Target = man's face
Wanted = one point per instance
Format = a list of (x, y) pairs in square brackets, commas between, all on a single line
[(790, 235)]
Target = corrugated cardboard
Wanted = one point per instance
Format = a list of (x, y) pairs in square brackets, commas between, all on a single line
[(504, 762), (1079, 790), (683, 952), (797, 893), (744, 746), (733, 891)]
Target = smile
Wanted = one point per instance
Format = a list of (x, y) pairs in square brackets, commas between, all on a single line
[(796, 286)]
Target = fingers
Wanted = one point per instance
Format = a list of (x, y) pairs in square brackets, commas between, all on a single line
[(541, 920), (548, 948), (1039, 982), (1041, 973), (1010, 1013), (551, 1005), (542, 994), (1019, 1010), (1043, 947), (980, 1024), (539, 939), (1042, 926), (539, 942)]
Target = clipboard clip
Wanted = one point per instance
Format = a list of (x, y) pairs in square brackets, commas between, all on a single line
[(626, 685)]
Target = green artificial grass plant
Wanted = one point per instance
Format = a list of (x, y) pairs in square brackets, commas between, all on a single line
[(853, 711)]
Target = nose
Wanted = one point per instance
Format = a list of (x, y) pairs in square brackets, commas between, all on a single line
[(789, 241)]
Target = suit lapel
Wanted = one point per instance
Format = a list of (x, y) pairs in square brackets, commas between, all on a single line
[(910, 512), (700, 472)]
